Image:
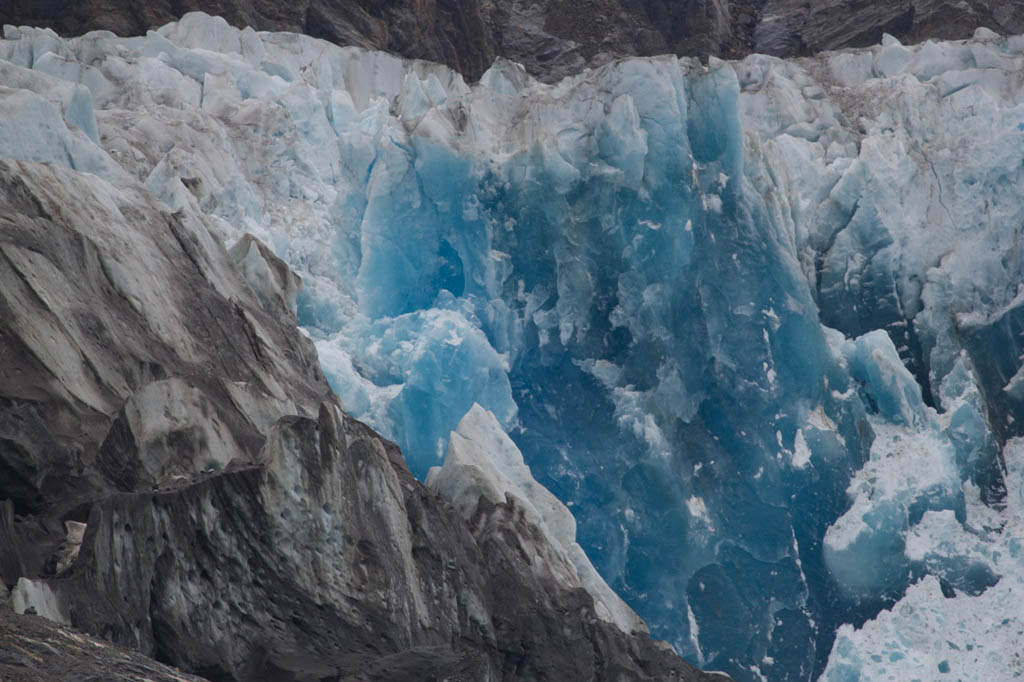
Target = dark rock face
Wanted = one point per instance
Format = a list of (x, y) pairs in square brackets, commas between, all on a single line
[(796, 27), (34, 649), (238, 576), (554, 38), (110, 307), (237, 524)]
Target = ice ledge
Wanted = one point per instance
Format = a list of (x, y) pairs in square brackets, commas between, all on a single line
[(483, 462), (36, 597)]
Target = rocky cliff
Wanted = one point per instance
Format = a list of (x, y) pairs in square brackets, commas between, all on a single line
[(554, 38), (33, 648)]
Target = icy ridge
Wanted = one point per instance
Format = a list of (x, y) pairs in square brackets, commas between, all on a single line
[(630, 270), (483, 462)]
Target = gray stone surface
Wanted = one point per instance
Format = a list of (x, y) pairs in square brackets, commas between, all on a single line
[(556, 38), (798, 27), (33, 649)]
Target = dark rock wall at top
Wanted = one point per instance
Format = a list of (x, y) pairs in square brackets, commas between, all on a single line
[(460, 33), (800, 27), (554, 38)]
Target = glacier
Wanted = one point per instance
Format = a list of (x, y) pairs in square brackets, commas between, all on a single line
[(756, 324)]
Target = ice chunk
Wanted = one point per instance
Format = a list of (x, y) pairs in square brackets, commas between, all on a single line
[(483, 461), (274, 283), (984, 34), (77, 102), (33, 596), (505, 77), (891, 389), (439, 364), (907, 474), (74, 532), (937, 629), (200, 30), (32, 129), (892, 58)]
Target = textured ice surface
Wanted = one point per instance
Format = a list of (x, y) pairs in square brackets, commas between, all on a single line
[(631, 271), (937, 631)]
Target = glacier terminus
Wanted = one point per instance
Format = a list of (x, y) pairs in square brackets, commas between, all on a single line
[(746, 338)]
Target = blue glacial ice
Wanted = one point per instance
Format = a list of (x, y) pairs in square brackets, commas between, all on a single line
[(756, 324)]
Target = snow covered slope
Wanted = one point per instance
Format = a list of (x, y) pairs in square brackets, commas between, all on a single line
[(756, 324)]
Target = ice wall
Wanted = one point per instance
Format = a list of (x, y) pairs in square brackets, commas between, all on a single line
[(630, 270)]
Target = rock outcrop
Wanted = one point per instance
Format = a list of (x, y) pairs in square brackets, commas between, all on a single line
[(327, 560), (33, 648), (795, 27), (554, 38)]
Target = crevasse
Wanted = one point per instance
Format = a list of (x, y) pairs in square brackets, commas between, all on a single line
[(757, 324)]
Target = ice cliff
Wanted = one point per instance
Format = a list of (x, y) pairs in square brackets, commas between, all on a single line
[(756, 324)]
